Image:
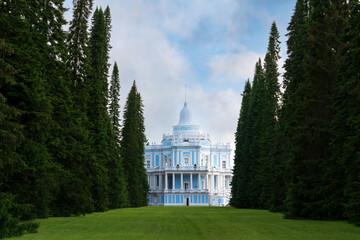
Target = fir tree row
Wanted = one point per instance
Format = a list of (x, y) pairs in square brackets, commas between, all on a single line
[(299, 153), (62, 149)]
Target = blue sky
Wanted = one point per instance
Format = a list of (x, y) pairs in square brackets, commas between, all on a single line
[(209, 45)]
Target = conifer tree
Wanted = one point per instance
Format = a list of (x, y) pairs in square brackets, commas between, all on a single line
[(118, 196), (289, 117), (97, 110), (114, 102), (346, 124), (70, 143), (269, 118), (10, 132), (78, 46), (107, 16), (36, 179), (310, 192), (132, 149), (255, 130), (240, 179)]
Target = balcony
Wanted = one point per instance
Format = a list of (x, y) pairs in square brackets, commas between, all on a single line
[(190, 168), (185, 191)]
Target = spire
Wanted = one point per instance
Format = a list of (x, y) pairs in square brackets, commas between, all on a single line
[(185, 104)]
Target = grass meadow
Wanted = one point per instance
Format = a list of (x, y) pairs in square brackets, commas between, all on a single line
[(189, 223)]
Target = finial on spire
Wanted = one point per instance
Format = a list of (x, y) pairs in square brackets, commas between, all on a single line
[(185, 104)]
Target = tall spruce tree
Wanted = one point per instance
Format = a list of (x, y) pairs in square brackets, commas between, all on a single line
[(118, 196), (36, 180), (78, 46), (97, 110), (310, 193), (269, 116), (114, 102), (346, 123), (11, 163), (289, 117), (132, 149), (255, 131), (71, 143), (241, 168)]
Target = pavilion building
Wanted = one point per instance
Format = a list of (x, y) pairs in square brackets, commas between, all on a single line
[(187, 169)]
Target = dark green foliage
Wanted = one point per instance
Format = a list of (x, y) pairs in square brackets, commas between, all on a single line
[(10, 224), (10, 139), (114, 103), (36, 181), (255, 166), (100, 126), (255, 130), (346, 124), (117, 185), (241, 168), (77, 44), (290, 116), (315, 190), (71, 144), (55, 160), (269, 118), (133, 149)]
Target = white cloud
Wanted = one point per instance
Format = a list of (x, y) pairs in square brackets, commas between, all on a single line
[(233, 67), (217, 112)]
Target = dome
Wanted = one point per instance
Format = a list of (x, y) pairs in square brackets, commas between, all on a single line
[(185, 116)]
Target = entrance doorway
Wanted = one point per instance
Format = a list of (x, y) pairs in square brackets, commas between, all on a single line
[(187, 202)]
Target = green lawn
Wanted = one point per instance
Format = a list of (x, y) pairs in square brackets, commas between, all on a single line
[(190, 223)]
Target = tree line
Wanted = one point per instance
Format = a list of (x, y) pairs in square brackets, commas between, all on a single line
[(63, 151), (298, 152)]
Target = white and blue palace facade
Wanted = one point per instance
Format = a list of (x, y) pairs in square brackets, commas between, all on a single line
[(187, 169)]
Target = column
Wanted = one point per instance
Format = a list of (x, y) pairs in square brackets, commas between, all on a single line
[(191, 182), (172, 159), (207, 181), (182, 182), (213, 180), (199, 184), (151, 182), (160, 181), (166, 181), (220, 181), (173, 186), (155, 181)]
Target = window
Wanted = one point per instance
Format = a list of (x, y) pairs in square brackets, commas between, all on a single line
[(186, 160), (202, 162), (147, 164), (223, 164)]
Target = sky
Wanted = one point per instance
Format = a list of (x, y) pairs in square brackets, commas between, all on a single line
[(211, 46)]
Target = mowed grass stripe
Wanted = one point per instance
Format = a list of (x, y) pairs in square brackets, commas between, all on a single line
[(190, 223)]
